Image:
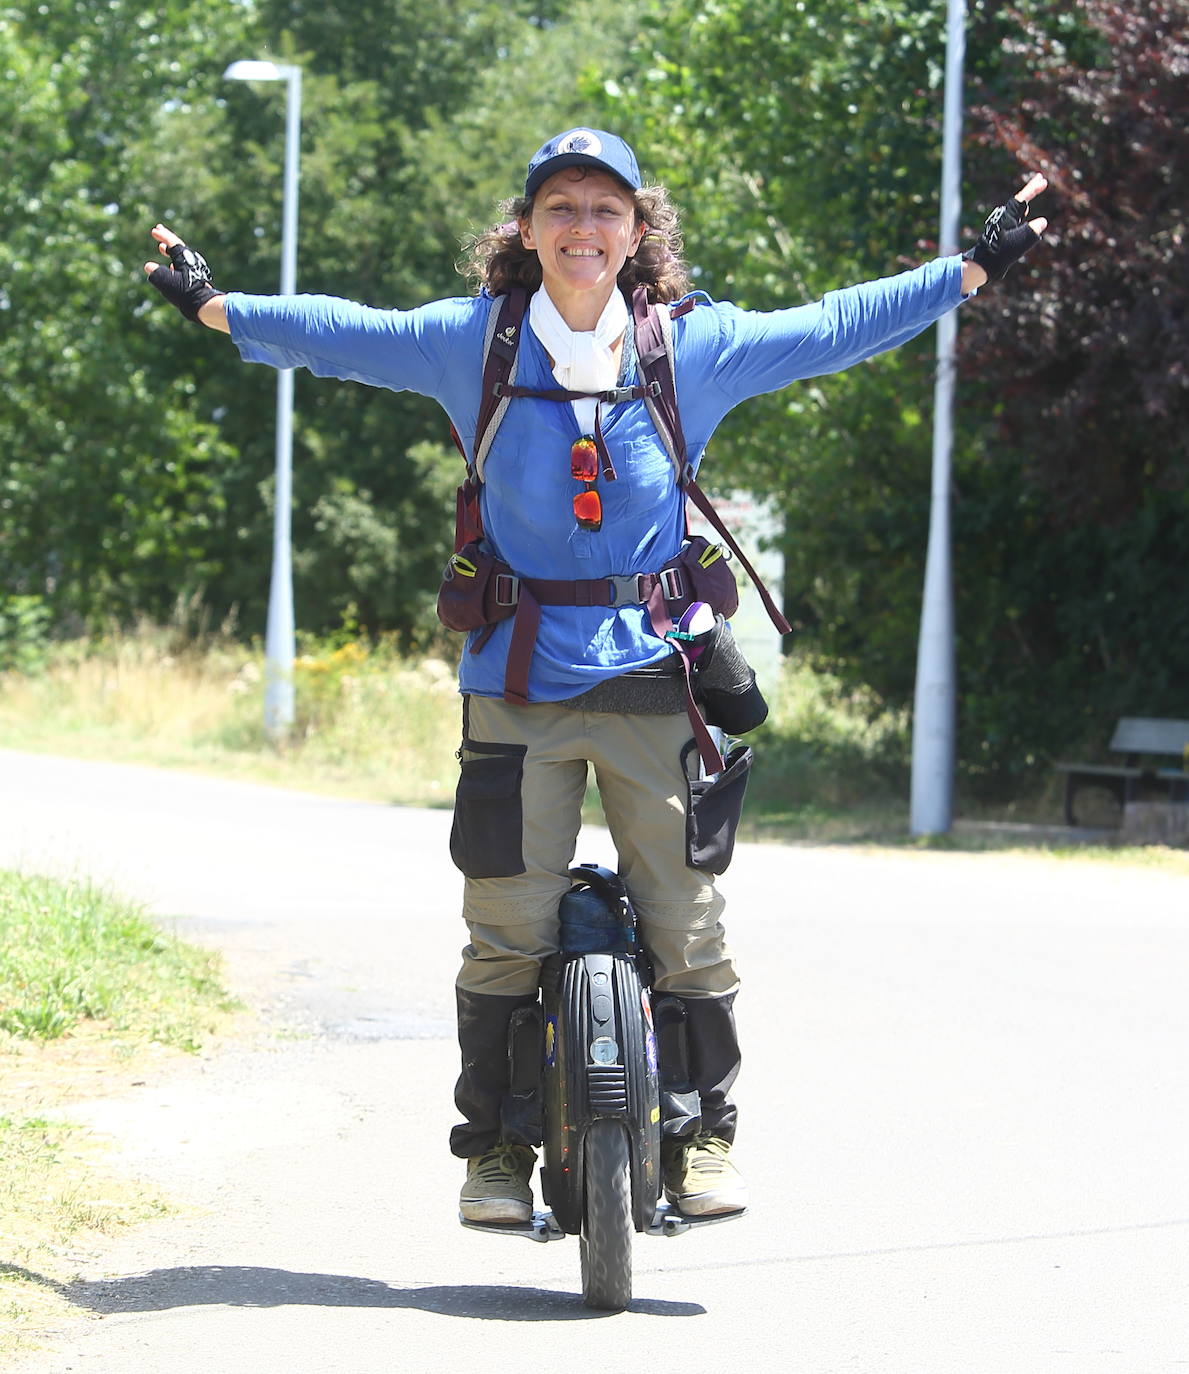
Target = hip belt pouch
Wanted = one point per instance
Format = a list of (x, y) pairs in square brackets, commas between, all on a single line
[(713, 808), (702, 573), (477, 589)]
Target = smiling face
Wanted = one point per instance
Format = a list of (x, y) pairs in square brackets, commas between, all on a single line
[(583, 228)]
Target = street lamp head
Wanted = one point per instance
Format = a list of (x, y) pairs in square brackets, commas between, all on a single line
[(258, 71)]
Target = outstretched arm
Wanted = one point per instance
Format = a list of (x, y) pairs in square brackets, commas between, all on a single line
[(185, 281), (400, 350)]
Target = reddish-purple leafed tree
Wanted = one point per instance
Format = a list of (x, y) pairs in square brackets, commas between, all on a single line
[(1088, 350)]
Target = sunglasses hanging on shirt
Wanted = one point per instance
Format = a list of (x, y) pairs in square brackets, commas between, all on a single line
[(584, 468)]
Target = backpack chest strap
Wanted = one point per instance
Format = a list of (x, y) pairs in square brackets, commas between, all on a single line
[(612, 397)]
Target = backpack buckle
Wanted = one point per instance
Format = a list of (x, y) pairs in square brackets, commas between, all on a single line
[(621, 393), (672, 584), (507, 589), (626, 591)]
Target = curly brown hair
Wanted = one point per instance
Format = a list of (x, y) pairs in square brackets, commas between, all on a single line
[(497, 258)]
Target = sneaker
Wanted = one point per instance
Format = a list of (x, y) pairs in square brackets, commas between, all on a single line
[(700, 1179), (498, 1186)]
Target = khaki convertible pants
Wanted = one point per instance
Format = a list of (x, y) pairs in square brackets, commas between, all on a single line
[(517, 815)]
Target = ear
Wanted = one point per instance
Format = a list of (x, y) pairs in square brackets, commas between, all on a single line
[(526, 234), (641, 230)]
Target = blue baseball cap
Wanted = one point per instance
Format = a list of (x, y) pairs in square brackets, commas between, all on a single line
[(583, 148)]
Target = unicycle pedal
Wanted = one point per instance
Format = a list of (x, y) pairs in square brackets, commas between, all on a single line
[(668, 1220), (541, 1227)]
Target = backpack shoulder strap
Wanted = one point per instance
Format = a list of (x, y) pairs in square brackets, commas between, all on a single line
[(699, 498), (654, 352), (654, 345), (501, 343)]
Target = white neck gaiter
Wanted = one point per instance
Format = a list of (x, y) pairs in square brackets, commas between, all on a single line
[(582, 359)]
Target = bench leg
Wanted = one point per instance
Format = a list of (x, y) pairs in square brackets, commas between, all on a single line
[(1070, 818)]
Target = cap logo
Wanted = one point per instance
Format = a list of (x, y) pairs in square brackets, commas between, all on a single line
[(580, 141)]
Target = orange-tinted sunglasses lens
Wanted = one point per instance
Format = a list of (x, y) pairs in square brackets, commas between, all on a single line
[(584, 459), (588, 509)]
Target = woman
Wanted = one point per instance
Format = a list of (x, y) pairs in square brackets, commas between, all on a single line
[(585, 232)]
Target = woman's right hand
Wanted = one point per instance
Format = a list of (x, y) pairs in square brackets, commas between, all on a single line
[(185, 280)]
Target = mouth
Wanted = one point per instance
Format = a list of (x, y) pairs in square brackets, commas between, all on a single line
[(582, 252)]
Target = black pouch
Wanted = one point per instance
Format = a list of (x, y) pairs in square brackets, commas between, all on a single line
[(725, 685), (732, 710), (486, 839), (713, 808)]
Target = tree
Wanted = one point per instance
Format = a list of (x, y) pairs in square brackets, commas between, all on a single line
[(106, 493), (1083, 367), (804, 141), (139, 450), (406, 143), (1097, 102)]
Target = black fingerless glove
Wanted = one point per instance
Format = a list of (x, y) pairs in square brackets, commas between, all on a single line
[(186, 282), (1006, 237)]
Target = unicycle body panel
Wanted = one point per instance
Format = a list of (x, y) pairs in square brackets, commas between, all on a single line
[(599, 1064)]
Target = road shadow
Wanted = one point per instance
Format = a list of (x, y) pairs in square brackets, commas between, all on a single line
[(212, 1285)]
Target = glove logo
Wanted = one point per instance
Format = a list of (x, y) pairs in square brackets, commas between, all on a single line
[(991, 230)]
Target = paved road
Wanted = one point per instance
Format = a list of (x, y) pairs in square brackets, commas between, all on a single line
[(964, 1112)]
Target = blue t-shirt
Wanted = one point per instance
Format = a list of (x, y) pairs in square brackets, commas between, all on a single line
[(722, 354)]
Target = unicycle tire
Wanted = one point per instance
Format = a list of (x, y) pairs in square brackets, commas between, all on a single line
[(605, 1242)]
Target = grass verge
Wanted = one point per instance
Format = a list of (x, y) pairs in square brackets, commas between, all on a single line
[(71, 952), (92, 997)]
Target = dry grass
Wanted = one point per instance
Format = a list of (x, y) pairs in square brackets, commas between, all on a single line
[(832, 765), (370, 724), (60, 1199)]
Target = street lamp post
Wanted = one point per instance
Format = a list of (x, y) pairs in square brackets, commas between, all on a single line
[(935, 704), (279, 634)]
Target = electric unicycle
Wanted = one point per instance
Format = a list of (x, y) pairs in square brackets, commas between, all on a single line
[(596, 1070)]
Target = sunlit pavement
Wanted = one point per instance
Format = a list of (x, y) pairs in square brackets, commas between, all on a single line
[(963, 1111)]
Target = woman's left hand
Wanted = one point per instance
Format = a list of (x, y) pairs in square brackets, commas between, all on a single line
[(1007, 235)]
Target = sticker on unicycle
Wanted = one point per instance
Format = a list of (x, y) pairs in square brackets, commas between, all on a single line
[(550, 1042), (646, 1003), (604, 1050), (650, 1049)]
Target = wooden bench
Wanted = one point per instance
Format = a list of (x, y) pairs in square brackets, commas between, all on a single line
[(1135, 738)]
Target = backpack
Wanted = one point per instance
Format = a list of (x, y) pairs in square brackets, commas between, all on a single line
[(479, 590)]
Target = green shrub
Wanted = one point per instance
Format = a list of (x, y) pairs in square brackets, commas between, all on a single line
[(24, 629)]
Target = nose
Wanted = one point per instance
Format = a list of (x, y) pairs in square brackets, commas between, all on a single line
[(583, 222)]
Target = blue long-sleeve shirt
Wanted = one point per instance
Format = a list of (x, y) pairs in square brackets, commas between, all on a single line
[(722, 354)]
